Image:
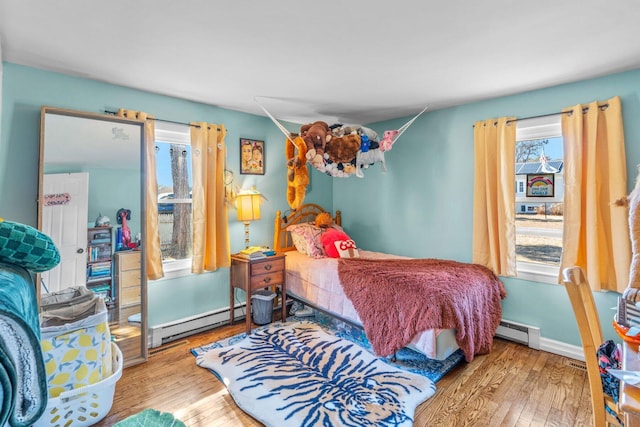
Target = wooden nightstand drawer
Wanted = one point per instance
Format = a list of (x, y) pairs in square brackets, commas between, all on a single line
[(263, 280), (266, 267)]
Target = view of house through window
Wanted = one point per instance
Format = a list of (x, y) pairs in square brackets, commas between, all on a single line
[(539, 178), (174, 175)]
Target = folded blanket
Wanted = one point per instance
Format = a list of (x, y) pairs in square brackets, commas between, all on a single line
[(23, 396)]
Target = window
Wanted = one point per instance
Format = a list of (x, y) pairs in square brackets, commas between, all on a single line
[(539, 220), (174, 175)]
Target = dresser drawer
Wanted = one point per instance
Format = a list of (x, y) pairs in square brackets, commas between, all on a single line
[(130, 296), (129, 278), (268, 266), (129, 261), (263, 280)]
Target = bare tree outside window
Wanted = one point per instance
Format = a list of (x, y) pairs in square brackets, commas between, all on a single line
[(181, 235), (527, 151), (173, 170)]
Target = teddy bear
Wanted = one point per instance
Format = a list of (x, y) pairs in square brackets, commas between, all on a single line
[(388, 138), (316, 135), (297, 173), (343, 149)]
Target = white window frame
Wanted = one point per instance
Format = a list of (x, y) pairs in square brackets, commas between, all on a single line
[(527, 129), (176, 134)]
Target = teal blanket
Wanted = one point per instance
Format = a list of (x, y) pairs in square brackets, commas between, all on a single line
[(23, 383)]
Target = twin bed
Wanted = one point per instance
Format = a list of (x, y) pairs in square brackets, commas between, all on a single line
[(432, 306)]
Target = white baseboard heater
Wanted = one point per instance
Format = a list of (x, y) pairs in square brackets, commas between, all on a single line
[(517, 332), (178, 329)]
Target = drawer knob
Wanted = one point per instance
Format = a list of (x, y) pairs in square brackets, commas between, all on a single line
[(267, 279), (268, 267)]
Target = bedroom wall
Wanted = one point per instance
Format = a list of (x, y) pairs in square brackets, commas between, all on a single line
[(423, 205), (26, 89)]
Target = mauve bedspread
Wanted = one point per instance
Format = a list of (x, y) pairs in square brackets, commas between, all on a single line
[(411, 295), (315, 281)]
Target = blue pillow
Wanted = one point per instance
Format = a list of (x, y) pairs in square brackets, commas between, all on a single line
[(27, 247)]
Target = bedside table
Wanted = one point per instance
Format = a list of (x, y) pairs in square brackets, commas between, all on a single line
[(253, 274)]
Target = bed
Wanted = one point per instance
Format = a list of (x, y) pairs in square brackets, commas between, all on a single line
[(316, 281)]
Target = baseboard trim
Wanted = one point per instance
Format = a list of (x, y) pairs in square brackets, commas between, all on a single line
[(562, 349)]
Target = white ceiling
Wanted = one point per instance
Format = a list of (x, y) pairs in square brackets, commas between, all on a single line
[(352, 61)]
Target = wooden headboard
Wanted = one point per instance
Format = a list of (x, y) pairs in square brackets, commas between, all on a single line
[(306, 213)]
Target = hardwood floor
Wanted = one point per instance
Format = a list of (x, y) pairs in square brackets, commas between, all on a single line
[(511, 386)]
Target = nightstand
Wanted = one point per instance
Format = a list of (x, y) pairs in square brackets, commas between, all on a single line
[(253, 274)]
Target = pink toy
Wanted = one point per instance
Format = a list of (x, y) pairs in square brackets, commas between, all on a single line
[(388, 139), (126, 233)]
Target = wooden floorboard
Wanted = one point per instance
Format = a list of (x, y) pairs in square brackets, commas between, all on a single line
[(512, 386)]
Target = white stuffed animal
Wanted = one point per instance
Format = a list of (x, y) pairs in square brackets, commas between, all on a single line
[(363, 160)]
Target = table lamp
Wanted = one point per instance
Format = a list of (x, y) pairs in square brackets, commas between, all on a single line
[(248, 205)]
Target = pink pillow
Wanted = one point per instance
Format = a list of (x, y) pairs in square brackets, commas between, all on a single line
[(337, 244), (306, 239)]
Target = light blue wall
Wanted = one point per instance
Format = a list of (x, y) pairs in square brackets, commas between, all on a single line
[(423, 205), (25, 90)]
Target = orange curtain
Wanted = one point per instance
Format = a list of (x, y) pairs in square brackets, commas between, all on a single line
[(596, 233), (494, 243), (211, 247), (153, 255)]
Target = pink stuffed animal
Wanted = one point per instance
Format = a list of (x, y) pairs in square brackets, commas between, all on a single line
[(388, 139)]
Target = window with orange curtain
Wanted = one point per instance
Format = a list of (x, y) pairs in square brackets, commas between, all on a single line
[(539, 178), (175, 180)]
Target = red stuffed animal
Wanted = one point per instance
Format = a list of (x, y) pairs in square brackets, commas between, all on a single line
[(345, 248)]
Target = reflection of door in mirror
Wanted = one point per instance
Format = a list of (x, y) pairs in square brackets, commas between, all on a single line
[(60, 222), (90, 172)]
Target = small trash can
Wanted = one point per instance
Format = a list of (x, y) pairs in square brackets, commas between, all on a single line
[(262, 306)]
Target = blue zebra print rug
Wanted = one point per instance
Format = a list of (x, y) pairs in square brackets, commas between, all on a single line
[(296, 374)]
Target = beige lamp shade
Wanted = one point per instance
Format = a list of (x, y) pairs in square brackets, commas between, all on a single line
[(248, 206)]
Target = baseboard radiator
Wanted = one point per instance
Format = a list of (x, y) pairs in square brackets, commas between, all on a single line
[(172, 331), (517, 332)]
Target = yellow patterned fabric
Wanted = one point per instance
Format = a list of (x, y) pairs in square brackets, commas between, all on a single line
[(77, 354)]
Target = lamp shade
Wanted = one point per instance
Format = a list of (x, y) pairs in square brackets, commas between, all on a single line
[(248, 205)]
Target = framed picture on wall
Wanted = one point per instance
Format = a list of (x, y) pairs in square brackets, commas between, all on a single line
[(252, 157), (540, 184)]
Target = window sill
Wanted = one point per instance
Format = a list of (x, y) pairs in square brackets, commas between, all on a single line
[(538, 272), (175, 269)]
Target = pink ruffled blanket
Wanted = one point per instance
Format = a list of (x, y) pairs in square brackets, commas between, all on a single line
[(395, 299)]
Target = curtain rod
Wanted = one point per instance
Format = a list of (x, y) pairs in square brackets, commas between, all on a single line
[(584, 110), (160, 120)]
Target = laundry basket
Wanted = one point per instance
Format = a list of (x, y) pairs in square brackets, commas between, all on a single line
[(85, 406), (75, 341)]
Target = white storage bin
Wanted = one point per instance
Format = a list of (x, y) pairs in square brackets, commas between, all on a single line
[(85, 406)]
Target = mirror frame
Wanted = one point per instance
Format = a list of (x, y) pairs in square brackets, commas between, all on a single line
[(144, 331)]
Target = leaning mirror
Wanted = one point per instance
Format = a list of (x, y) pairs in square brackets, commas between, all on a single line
[(91, 204)]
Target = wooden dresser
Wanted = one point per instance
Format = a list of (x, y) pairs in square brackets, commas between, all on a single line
[(128, 275)]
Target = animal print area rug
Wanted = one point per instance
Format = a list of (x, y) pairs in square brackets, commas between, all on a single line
[(296, 374)]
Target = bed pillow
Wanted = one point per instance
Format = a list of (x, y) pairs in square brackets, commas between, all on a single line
[(337, 244), (27, 247), (306, 239)]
